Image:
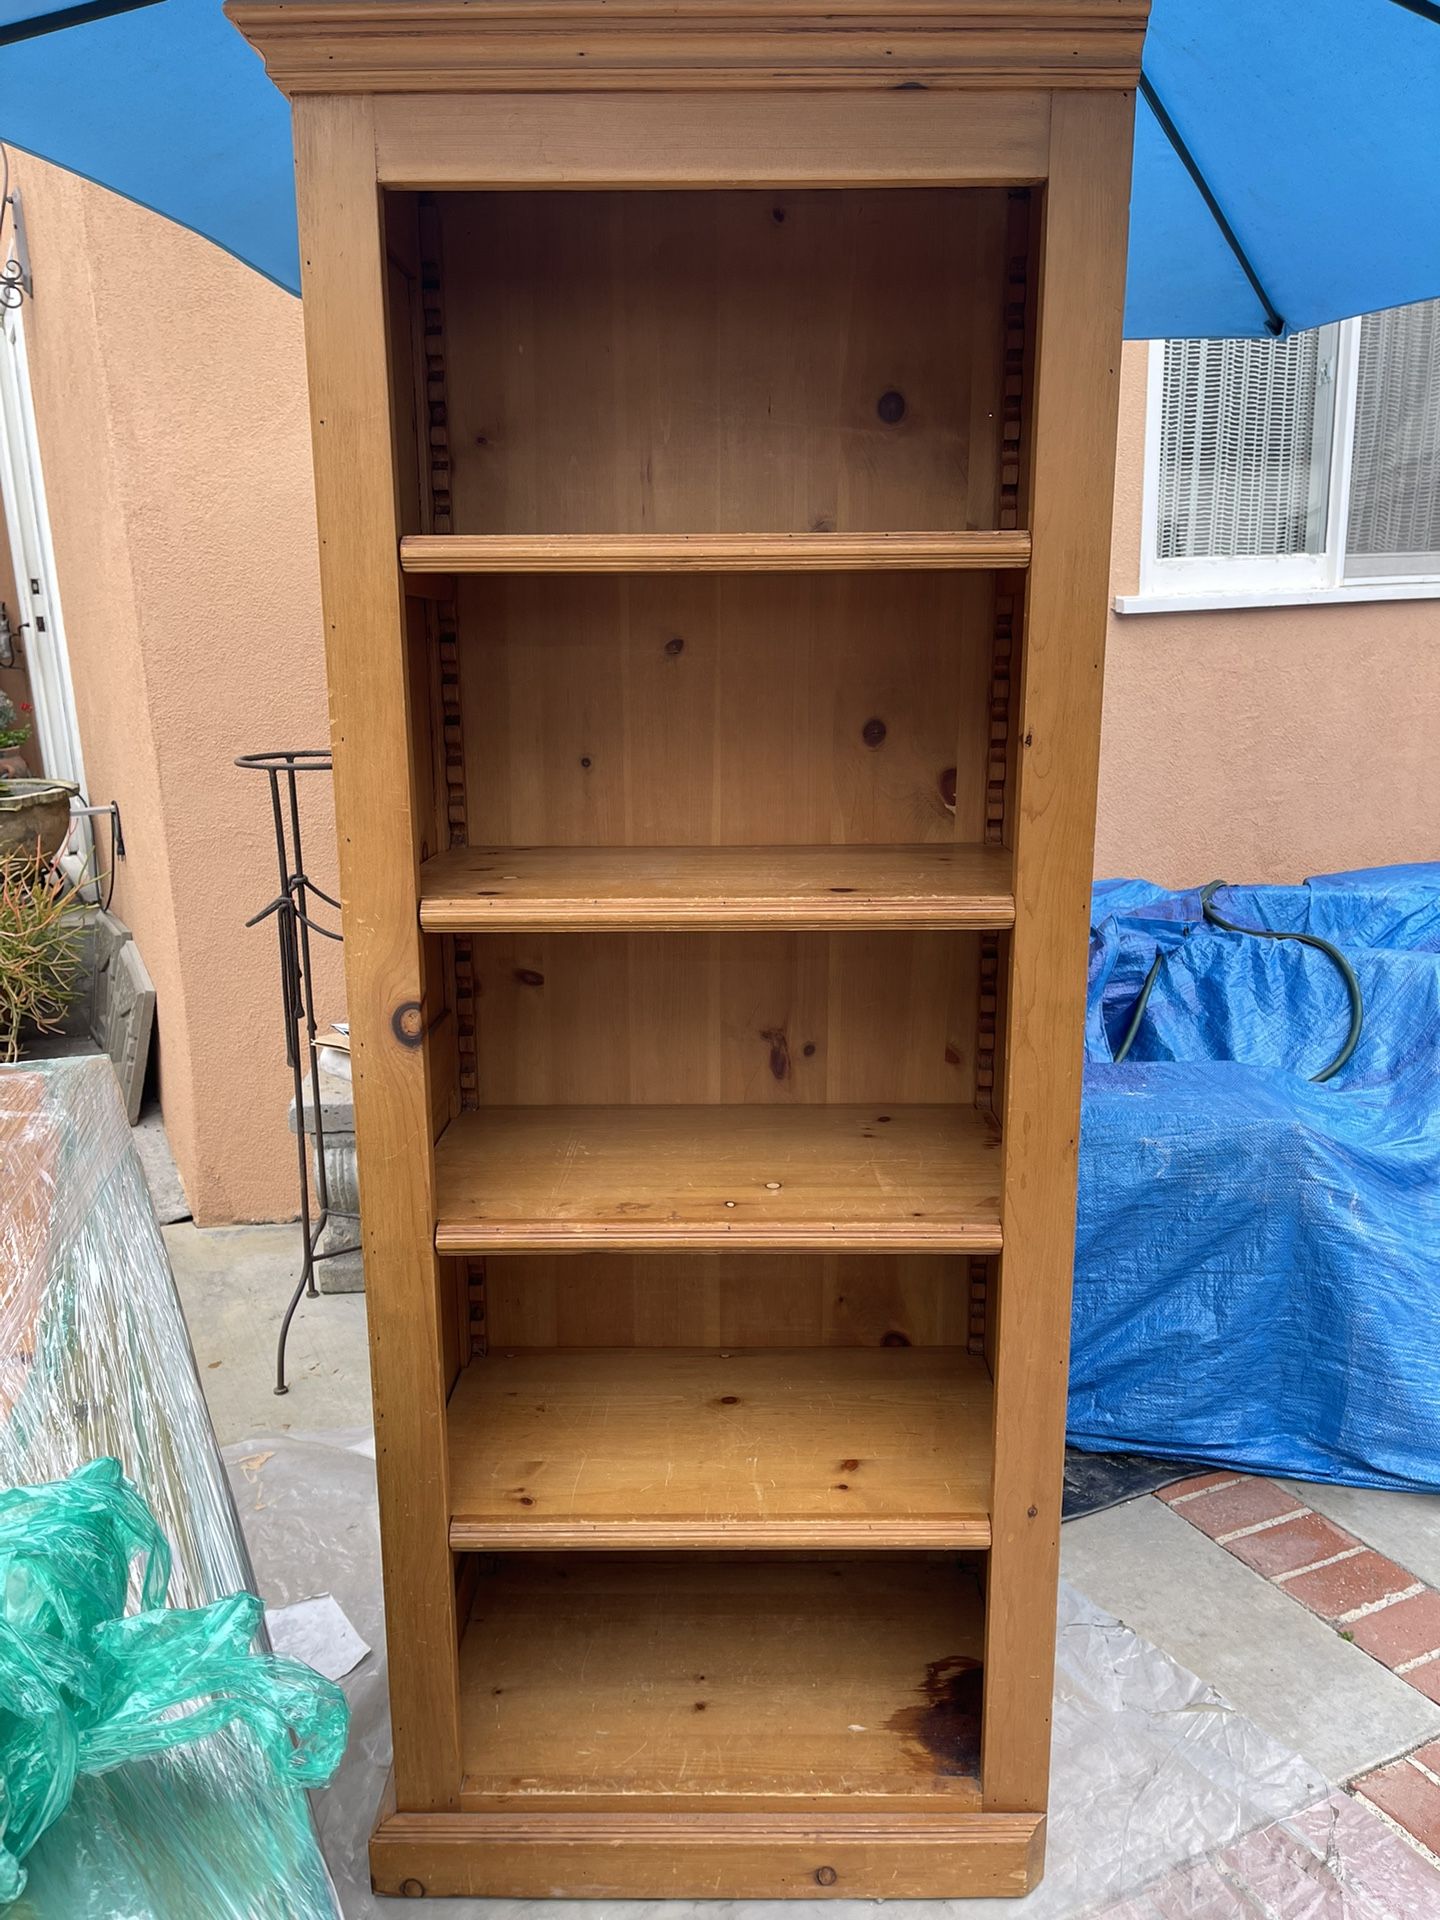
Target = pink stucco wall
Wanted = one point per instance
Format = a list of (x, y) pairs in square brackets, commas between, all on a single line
[(169, 392), (1261, 744)]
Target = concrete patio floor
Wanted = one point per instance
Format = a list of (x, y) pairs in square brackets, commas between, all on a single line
[(1177, 1574)]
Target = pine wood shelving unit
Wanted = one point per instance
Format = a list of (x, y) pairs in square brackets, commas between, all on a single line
[(713, 410)]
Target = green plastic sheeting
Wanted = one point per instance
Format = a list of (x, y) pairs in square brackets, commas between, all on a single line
[(88, 1687)]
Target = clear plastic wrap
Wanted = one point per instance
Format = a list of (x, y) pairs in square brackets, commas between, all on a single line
[(95, 1360)]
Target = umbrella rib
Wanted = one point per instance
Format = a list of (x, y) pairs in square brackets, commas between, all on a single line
[(1422, 9), (1274, 321), (77, 16)]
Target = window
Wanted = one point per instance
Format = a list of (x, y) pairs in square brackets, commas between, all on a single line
[(1299, 470)]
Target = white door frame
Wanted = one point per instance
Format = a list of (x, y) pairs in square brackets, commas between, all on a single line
[(27, 524)]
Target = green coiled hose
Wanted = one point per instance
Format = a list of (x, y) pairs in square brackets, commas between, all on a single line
[(1332, 954)]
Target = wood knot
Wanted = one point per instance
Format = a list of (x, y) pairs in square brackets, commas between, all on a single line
[(873, 732), (825, 1876), (891, 407), (407, 1023), (946, 784), (528, 977), (674, 647)]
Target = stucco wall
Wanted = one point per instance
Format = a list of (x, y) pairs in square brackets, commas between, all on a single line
[(1261, 744), (170, 398)]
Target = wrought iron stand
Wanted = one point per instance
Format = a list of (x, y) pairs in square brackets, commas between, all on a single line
[(294, 922)]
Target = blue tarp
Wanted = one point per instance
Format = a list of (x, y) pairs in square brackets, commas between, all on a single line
[(1257, 1275)]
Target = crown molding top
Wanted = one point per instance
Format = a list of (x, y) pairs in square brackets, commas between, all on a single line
[(542, 46)]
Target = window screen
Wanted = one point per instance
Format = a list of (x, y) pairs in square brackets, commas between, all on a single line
[(1244, 447), (1395, 462)]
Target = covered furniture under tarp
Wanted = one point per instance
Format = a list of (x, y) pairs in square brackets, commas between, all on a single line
[(1257, 1276)]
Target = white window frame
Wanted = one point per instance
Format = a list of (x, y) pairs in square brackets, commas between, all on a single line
[(1282, 580)]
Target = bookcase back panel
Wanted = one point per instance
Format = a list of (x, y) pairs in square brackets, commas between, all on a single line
[(725, 710), (750, 1300), (725, 1019), (723, 362)]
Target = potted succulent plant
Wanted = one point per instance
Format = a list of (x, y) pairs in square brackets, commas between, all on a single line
[(34, 814), (40, 949)]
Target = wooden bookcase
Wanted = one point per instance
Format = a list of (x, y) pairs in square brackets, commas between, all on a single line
[(714, 408)]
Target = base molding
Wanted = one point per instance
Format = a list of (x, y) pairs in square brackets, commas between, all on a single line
[(737, 1856)]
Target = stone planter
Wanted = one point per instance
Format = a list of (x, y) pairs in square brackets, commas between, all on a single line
[(31, 811)]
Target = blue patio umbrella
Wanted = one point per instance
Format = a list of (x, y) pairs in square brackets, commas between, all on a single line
[(1285, 150)]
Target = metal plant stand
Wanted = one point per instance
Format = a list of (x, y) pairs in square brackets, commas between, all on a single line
[(293, 908)]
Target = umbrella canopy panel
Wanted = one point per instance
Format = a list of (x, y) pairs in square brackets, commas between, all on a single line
[(1314, 124), (167, 105), (1310, 125)]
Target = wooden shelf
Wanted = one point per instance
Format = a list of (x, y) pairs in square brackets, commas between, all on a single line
[(703, 889), (707, 552), (784, 1178), (821, 1447), (651, 1681)]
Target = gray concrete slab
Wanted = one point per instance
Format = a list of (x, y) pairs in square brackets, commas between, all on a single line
[(162, 1176), (1406, 1526), (1289, 1672), (234, 1283)]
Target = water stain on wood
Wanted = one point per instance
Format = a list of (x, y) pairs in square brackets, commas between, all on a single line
[(943, 1727), (779, 1051)]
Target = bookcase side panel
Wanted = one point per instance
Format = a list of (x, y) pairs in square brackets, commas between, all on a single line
[(1058, 730), (382, 803)]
